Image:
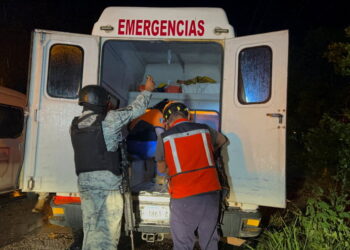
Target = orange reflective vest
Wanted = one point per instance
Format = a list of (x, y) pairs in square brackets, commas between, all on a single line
[(188, 152)]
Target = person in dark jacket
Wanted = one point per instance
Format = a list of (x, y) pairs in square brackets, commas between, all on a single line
[(95, 136)]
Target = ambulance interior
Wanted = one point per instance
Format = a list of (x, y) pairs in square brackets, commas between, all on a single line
[(190, 72)]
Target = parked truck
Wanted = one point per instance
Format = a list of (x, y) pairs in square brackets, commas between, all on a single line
[(245, 99)]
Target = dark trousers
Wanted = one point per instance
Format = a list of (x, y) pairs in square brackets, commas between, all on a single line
[(199, 212)]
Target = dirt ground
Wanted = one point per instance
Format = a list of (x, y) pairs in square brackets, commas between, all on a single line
[(21, 229)]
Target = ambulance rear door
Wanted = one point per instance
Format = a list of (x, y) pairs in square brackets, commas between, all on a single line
[(61, 64), (254, 117)]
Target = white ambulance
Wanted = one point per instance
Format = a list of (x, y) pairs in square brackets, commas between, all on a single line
[(244, 98)]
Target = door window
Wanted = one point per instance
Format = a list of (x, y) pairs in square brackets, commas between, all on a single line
[(254, 77), (65, 71), (11, 121)]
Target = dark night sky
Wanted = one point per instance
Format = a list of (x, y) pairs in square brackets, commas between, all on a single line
[(19, 17)]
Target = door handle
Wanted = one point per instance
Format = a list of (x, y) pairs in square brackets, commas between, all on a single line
[(276, 115)]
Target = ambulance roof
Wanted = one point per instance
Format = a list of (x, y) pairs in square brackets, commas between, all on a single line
[(149, 22)]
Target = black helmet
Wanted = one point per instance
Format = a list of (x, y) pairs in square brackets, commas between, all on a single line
[(93, 95), (172, 107)]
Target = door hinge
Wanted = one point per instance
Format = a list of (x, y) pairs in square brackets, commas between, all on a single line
[(42, 38), (36, 115), (25, 113)]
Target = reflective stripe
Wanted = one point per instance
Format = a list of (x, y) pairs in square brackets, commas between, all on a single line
[(189, 133), (175, 156), (171, 140), (207, 152), (190, 171)]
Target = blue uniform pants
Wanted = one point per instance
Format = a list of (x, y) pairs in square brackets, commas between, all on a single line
[(102, 207), (199, 212)]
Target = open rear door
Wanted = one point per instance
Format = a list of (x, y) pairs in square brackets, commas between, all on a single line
[(61, 64), (254, 117)]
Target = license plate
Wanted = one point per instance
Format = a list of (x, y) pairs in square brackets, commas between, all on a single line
[(151, 214)]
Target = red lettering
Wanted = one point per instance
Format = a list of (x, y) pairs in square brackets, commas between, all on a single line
[(171, 28), (200, 31), (146, 26), (130, 27), (163, 27), (138, 27), (179, 29), (121, 26), (192, 30), (155, 28)]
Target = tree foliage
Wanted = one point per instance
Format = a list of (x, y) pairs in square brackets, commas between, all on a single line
[(339, 54)]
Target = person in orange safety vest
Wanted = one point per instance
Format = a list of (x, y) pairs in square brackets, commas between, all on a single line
[(185, 152)]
